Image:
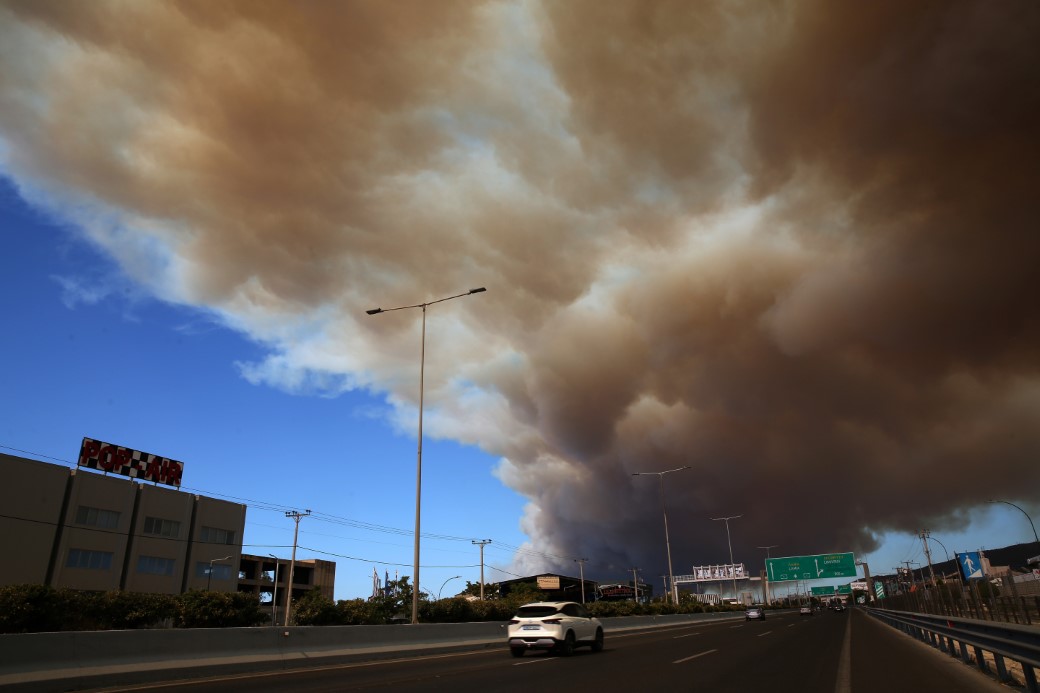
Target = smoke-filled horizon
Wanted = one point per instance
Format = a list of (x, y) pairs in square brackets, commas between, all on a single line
[(791, 245)]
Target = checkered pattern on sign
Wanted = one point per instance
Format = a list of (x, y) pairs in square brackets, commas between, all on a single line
[(135, 464)]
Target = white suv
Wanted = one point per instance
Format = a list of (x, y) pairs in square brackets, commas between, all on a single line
[(559, 626)]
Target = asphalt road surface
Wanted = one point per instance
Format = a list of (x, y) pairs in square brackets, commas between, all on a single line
[(847, 652)]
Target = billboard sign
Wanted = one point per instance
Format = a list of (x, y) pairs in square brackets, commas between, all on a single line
[(711, 573), (106, 457), (548, 582), (971, 565), (819, 567)]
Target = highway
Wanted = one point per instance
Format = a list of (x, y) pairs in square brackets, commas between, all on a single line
[(845, 652)]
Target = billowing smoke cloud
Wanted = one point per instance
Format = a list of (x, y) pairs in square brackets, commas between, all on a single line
[(791, 245)]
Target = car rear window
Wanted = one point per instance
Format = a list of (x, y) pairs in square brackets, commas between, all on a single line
[(536, 611)]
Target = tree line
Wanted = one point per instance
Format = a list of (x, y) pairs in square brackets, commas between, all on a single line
[(39, 608)]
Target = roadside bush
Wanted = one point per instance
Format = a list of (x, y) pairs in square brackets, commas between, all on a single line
[(124, 610), (30, 609), (355, 612), (315, 609), (197, 609), (452, 610)]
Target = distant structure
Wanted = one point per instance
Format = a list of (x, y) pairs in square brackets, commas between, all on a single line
[(86, 530)]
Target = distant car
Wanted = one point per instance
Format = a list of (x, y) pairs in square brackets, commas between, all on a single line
[(756, 613), (837, 607), (805, 611), (557, 626)]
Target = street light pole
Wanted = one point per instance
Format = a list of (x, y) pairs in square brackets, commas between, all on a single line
[(209, 575), (726, 520), (274, 592), (1035, 537), (418, 462), (956, 566), (664, 510), (765, 589), (454, 577)]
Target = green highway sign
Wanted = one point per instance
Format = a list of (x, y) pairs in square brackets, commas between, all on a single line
[(819, 567), (823, 591), (844, 589)]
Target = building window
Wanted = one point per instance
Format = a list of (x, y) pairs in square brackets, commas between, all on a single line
[(153, 565), (215, 535), (221, 571), (95, 517), (90, 560), (162, 528)]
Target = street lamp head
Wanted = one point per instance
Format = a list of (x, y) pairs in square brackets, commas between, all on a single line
[(477, 291), (374, 311)]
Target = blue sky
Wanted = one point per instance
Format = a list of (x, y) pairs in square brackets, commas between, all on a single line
[(692, 257), (129, 369)]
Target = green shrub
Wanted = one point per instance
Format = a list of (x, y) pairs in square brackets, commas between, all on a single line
[(315, 609), (30, 609), (197, 609)]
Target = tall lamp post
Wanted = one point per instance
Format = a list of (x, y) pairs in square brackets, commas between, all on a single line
[(765, 589), (945, 551), (274, 592), (726, 520), (454, 577), (1035, 537), (418, 463), (209, 575), (667, 543)]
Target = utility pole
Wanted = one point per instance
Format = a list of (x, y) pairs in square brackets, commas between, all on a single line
[(296, 516), (581, 570), (481, 544), (924, 538), (913, 580), (635, 585)]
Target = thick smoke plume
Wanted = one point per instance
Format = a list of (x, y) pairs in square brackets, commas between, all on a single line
[(792, 245)]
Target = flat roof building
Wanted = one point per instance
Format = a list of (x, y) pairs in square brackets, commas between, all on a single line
[(88, 531)]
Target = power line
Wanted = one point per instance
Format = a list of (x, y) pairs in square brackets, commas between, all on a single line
[(333, 519)]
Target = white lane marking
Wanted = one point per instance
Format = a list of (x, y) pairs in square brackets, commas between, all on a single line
[(536, 661), (766, 633), (843, 683), (684, 636), (740, 626), (791, 625), (686, 659)]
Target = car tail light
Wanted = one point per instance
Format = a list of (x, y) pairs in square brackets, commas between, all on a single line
[(513, 622)]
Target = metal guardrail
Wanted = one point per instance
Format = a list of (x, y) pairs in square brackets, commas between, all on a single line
[(961, 637)]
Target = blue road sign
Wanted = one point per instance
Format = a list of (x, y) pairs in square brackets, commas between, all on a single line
[(971, 565)]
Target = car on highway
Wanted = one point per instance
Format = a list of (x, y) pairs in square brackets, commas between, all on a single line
[(556, 626), (805, 611), (755, 613)]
